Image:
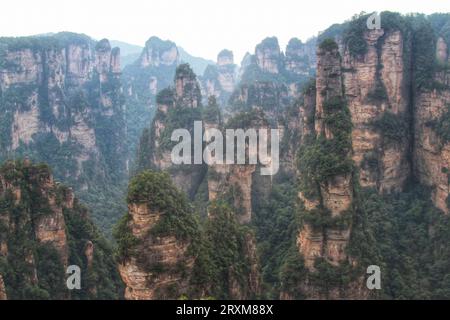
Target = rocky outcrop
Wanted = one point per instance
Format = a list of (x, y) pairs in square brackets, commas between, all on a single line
[(375, 87), (155, 148), (268, 55), (307, 111), (225, 58), (327, 182), (163, 252), (245, 63), (187, 88), (300, 57), (272, 82), (235, 182), (158, 52), (154, 71), (220, 80), (384, 99), (291, 70), (159, 263)]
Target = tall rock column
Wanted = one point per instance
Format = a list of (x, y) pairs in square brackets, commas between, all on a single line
[(178, 108), (154, 240), (325, 163)]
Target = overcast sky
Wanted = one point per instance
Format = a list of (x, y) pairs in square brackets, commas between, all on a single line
[(202, 27)]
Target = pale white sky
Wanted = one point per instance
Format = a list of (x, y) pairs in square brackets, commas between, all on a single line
[(202, 27)]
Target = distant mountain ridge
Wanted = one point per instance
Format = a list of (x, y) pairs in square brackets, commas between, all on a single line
[(197, 64)]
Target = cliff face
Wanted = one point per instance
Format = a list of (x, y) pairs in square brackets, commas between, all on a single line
[(431, 153), (38, 218), (372, 93), (268, 56), (34, 79), (300, 57), (432, 148), (376, 87), (60, 103), (158, 52)]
